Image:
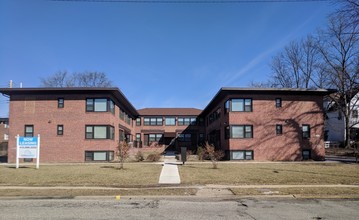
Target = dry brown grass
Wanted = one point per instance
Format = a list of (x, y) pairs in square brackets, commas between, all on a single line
[(314, 192), (270, 173), (97, 192), (133, 175)]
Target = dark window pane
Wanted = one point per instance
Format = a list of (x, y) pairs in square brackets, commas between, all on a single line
[(60, 103), (306, 131), (29, 131), (279, 129), (60, 129)]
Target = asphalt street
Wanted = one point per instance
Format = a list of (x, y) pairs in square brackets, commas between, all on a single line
[(178, 208)]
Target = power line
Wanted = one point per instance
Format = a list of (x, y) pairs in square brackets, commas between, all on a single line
[(193, 1)]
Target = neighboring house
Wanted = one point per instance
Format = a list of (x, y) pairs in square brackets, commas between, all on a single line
[(335, 121), (86, 124), (4, 138)]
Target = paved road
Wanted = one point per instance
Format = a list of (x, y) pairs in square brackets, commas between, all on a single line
[(172, 208)]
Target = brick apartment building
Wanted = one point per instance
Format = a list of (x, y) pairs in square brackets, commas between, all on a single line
[(86, 124), (175, 127), (4, 137), (267, 124)]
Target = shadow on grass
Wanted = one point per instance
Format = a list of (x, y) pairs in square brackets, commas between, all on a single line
[(21, 167), (113, 167)]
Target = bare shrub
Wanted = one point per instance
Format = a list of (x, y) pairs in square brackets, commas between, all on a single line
[(139, 156), (213, 154), (122, 153), (154, 157)]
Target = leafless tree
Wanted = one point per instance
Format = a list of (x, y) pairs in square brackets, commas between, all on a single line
[(350, 10), (298, 66), (339, 48), (86, 79), (59, 79), (122, 153), (92, 79)]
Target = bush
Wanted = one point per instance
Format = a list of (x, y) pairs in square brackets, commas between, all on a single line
[(154, 157), (139, 156), (213, 154)]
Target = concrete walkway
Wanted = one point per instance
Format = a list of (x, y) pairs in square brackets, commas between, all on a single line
[(169, 173)]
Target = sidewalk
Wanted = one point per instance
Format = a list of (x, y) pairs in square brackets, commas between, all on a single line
[(169, 173)]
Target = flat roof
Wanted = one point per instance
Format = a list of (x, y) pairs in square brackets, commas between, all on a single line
[(116, 92), (280, 91)]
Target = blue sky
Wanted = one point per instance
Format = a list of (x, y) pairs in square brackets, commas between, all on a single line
[(159, 55)]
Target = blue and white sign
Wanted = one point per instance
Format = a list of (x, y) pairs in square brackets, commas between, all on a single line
[(28, 142), (28, 147)]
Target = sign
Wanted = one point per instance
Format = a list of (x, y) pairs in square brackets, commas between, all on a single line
[(28, 147)]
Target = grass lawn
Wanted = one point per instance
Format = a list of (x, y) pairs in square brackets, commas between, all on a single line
[(134, 175), (269, 173)]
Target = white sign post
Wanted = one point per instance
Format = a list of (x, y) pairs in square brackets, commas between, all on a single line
[(28, 147)]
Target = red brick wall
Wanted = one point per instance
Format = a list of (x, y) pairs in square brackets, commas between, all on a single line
[(264, 117), (43, 113)]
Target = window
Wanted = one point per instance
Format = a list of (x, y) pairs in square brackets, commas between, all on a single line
[(227, 106), (122, 135), (138, 121), (99, 155), (122, 114), (278, 129), (128, 119), (170, 121), (240, 105), (155, 137), (306, 131), (60, 129), (112, 106), (193, 121), (242, 155), (185, 137), (201, 137), (278, 102), (239, 131), (100, 105), (306, 154), (6, 137), (99, 132), (155, 121), (214, 116), (138, 137), (200, 121), (187, 121), (29, 131), (60, 102), (180, 121)]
